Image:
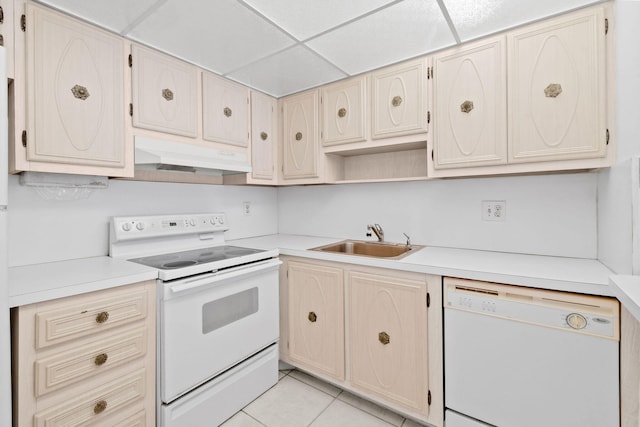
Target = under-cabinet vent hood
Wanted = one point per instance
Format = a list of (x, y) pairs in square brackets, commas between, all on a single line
[(158, 155)]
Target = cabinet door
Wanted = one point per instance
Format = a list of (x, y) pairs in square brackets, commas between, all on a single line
[(316, 318), (470, 106), (164, 93), (300, 136), (399, 100), (557, 89), (343, 112), (263, 113), (75, 92), (225, 111), (388, 338)]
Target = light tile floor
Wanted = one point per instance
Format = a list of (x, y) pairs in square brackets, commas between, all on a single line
[(300, 400)]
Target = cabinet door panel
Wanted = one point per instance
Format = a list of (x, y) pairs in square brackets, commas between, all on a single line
[(470, 106), (388, 338), (75, 92), (300, 154), (556, 89), (164, 93), (399, 100), (343, 112), (316, 318), (263, 111), (225, 111)]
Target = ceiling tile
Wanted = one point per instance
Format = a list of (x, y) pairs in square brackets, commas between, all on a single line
[(306, 18), (287, 72), (220, 35), (115, 15), (476, 18), (401, 31)]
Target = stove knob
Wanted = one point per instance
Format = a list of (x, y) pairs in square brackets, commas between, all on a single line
[(126, 226), (220, 220), (140, 226), (212, 221), (192, 222)]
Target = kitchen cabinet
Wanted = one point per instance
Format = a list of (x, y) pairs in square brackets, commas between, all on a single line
[(6, 34), (264, 111), (629, 369), (376, 332), (344, 112), (388, 337), (316, 318), (86, 359), (556, 86), (165, 93), (399, 99), (73, 119), (225, 109), (470, 105), (300, 154)]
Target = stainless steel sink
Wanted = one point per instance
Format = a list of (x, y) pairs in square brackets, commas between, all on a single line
[(370, 249)]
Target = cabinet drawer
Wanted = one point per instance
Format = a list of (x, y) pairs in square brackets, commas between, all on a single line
[(97, 405), (94, 358), (137, 420), (92, 315)]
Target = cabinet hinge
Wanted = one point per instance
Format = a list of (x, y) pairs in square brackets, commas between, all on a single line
[(23, 23), (428, 117), (606, 26), (429, 73), (130, 60), (1, 15), (429, 397), (428, 300), (24, 138), (432, 156), (131, 110), (1, 40), (607, 137)]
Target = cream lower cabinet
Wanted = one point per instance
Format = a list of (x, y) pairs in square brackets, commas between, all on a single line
[(375, 332), (86, 360)]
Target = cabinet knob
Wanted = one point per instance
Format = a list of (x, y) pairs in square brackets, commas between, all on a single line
[(298, 136), (80, 92), (384, 338), (100, 407), (342, 112), (312, 317), (263, 136), (102, 317), (466, 106), (101, 359), (227, 112), (553, 90), (396, 101), (167, 94)]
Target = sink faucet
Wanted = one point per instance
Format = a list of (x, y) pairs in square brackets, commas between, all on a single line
[(377, 229)]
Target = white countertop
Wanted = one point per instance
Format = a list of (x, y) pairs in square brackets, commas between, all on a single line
[(627, 290), (41, 282)]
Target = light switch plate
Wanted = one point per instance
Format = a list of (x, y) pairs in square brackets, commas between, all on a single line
[(494, 210)]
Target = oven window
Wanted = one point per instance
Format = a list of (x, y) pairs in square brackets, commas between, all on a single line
[(221, 312)]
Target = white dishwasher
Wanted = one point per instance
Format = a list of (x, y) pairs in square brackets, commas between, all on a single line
[(520, 357)]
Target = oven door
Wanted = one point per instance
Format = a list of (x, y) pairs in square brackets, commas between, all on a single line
[(211, 322)]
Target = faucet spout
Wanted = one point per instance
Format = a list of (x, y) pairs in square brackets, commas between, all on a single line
[(377, 230)]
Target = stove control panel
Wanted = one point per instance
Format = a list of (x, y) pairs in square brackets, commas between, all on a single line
[(144, 227)]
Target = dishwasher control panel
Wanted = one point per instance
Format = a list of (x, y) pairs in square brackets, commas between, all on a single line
[(573, 312)]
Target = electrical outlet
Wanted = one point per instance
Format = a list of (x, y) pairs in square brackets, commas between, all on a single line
[(246, 208), (494, 210)]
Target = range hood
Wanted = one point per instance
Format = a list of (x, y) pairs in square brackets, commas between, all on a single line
[(160, 155)]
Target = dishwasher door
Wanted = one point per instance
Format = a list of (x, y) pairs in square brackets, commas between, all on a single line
[(517, 356)]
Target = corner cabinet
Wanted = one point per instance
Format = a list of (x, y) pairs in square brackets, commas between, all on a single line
[(300, 156), (375, 332), (75, 108), (87, 359), (225, 111)]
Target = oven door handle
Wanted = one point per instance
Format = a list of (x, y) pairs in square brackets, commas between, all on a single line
[(224, 275)]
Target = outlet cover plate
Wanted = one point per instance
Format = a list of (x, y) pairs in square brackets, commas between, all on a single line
[(494, 210)]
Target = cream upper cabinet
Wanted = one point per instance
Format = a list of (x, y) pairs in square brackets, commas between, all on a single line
[(300, 136), (225, 111), (388, 345), (399, 105), (557, 105), (75, 94), (343, 107), (165, 93), (470, 105), (316, 318), (263, 132)]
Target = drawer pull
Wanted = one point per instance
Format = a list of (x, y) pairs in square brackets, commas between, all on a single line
[(384, 338), (101, 359), (102, 317), (312, 317), (100, 407)]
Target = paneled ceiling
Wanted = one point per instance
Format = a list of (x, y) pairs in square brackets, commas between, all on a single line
[(285, 46)]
